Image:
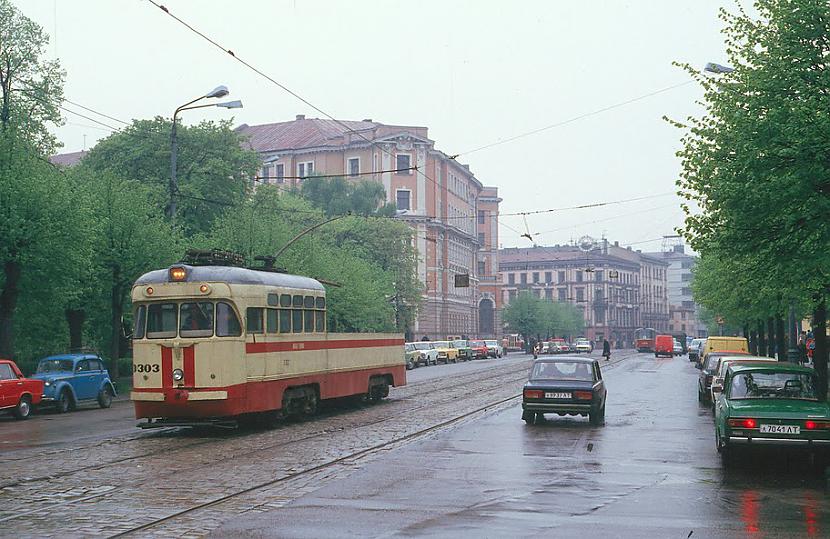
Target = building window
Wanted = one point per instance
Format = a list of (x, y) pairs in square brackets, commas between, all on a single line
[(549, 293), (598, 276), (562, 293), (280, 173), (580, 294), (511, 278), (481, 217), (481, 239), (523, 278), (579, 276), (686, 277), (306, 169), (561, 276), (402, 197), (354, 166), (403, 163), (535, 277), (266, 172), (482, 267)]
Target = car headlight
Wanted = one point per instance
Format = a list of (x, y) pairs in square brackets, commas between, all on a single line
[(47, 383), (178, 374)]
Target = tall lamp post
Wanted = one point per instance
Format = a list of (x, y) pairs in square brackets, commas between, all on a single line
[(219, 91)]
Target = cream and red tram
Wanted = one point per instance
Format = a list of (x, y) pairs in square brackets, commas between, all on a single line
[(212, 343)]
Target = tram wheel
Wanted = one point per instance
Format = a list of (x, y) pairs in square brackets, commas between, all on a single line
[(311, 404)]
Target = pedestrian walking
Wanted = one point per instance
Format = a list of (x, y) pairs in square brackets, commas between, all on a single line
[(606, 349)]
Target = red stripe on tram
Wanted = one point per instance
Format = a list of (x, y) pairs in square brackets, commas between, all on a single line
[(299, 346), (166, 367), (189, 366)]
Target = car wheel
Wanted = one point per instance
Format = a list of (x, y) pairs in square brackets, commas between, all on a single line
[(528, 417), (23, 408), (105, 397), (595, 417), (64, 402)]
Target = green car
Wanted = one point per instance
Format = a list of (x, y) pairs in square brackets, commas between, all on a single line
[(770, 405), (465, 353)]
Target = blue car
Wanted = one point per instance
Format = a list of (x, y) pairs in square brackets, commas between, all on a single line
[(73, 379)]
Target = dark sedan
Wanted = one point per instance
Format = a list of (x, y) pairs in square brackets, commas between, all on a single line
[(564, 386)]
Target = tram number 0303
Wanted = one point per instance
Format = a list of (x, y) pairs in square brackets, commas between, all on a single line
[(145, 367)]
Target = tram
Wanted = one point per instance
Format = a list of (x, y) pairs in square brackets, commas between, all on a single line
[(215, 343), (644, 339)]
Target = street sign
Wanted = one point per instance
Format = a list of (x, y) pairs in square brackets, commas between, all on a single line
[(462, 280)]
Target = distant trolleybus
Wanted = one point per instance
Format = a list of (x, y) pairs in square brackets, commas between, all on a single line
[(644, 339), (216, 343)]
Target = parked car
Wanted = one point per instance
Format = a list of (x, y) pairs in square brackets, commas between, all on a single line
[(18, 394), (464, 351), (709, 371), (584, 345), (663, 346), (773, 405), (411, 355), (694, 349), (722, 362), (70, 380), (717, 343), (678, 348), (494, 349), (429, 355), (479, 349), (446, 352), (564, 386), (547, 348), (558, 346)]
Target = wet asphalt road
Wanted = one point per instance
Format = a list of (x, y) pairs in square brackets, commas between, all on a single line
[(651, 471)]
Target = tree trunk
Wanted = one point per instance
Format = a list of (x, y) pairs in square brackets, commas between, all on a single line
[(75, 320), (770, 337), (762, 341), (781, 338), (116, 310), (820, 353), (8, 303), (753, 342)]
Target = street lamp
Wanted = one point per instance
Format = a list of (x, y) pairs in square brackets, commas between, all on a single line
[(712, 67), (219, 91)]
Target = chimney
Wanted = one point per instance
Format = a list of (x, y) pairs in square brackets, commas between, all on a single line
[(301, 116), (367, 120)]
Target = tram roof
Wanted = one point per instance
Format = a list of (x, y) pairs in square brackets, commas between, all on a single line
[(232, 275)]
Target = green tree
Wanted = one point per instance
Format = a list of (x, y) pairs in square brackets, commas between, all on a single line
[(756, 163), (32, 193), (130, 238), (524, 315), (338, 196), (214, 166)]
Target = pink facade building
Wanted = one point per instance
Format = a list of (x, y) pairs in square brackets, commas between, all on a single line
[(438, 197)]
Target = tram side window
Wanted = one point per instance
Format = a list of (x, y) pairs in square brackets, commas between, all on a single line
[(254, 316), (320, 318), (140, 319), (271, 320), (161, 320), (227, 323), (196, 319), (297, 320), (309, 320), (285, 320), (285, 300)]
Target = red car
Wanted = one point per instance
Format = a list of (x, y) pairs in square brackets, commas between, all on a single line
[(478, 350), (664, 346), (17, 393)]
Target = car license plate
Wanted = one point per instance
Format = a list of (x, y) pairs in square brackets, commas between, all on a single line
[(780, 429), (549, 395)]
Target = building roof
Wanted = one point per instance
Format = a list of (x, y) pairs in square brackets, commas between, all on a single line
[(68, 159), (513, 255), (318, 133), (232, 275)]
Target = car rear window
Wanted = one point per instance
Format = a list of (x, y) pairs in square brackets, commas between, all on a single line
[(562, 370)]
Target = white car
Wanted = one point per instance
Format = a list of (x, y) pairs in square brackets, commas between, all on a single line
[(584, 345), (429, 354), (678, 348), (494, 349)]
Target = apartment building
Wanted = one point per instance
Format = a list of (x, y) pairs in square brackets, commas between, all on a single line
[(617, 289), (435, 194)]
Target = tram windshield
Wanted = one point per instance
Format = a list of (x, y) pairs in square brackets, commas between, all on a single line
[(189, 320)]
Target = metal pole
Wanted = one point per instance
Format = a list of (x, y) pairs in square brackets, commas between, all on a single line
[(793, 355), (173, 186)]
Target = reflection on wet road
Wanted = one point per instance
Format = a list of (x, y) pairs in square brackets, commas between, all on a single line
[(651, 471)]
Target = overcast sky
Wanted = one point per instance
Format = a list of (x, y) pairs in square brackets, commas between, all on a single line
[(473, 72)]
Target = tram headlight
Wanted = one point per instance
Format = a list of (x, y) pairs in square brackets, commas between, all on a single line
[(178, 374)]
